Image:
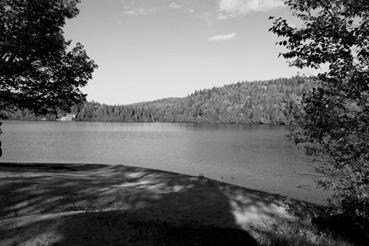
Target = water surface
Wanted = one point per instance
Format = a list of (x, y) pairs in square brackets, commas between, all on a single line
[(259, 157)]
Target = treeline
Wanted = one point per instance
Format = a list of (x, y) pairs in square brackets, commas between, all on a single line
[(27, 115), (266, 102)]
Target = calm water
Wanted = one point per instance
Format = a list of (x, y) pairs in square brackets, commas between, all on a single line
[(259, 157)]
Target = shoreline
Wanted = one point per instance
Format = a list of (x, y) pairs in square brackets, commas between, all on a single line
[(320, 202), (164, 122), (74, 204)]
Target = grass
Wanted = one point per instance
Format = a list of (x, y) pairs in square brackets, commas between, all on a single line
[(298, 234)]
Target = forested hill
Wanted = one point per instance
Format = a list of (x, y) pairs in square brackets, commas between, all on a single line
[(267, 102)]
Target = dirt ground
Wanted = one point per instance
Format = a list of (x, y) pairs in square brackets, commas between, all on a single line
[(70, 204)]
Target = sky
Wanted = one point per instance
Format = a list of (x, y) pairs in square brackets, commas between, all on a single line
[(152, 49)]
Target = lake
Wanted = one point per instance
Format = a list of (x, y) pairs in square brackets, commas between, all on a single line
[(258, 157)]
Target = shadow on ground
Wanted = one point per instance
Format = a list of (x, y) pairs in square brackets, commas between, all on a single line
[(118, 205)]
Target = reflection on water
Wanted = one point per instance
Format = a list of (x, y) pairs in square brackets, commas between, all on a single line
[(259, 157)]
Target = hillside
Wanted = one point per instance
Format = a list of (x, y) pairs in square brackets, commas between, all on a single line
[(266, 102)]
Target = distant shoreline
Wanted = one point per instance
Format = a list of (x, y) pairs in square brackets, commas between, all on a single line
[(164, 122)]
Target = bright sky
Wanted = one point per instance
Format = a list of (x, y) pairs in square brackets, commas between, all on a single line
[(151, 49)]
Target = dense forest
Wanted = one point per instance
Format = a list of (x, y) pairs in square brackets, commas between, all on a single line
[(258, 102)]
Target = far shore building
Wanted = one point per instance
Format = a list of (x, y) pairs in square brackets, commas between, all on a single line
[(68, 117)]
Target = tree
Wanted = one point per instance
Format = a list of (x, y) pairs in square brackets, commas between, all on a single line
[(39, 69), (332, 121)]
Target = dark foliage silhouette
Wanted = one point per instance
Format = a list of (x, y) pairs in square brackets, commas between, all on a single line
[(39, 69), (332, 121)]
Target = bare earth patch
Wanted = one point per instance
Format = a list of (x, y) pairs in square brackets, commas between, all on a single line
[(65, 204)]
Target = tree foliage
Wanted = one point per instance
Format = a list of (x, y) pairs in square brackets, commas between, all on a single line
[(332, 121), (39, 69), (266, 102)]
